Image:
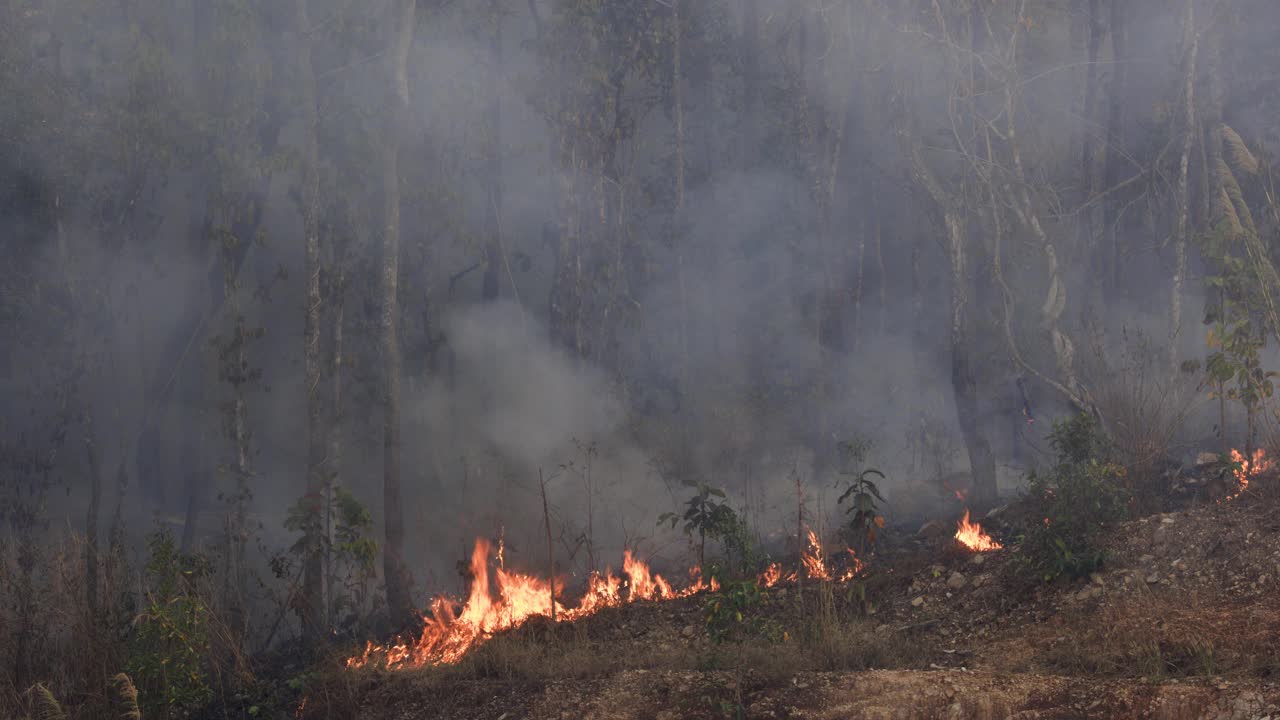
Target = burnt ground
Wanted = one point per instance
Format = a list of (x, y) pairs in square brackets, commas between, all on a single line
[(1182, 622)]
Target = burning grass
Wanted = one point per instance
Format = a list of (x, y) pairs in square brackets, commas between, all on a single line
[(452, 630), (972, 536), (1248, 469)]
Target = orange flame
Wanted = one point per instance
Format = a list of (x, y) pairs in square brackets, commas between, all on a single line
[(771, 575), (811, 560), (972, 536), (509, 598), (448, 632), (1248, 468)]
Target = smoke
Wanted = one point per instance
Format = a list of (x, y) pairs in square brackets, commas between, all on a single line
[(797, 301)]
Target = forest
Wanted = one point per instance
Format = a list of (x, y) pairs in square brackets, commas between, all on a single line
[(639, 358)]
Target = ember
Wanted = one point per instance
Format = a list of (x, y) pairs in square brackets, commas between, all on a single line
[(972, 536)]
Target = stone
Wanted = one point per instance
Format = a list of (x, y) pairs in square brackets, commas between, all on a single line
[(1096, 579), (1153, 578), (978, 559), (688, 631), (1206, 458), (956, 581), (917, 601)]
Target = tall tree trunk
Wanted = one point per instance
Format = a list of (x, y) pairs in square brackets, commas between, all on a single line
[(750, 82), (1090, 244), (312, 602), (494, 257), (963, 385), (396, 576), (91, 520), (1191, 44), (237, 375), (333, 478), (1115, 142)]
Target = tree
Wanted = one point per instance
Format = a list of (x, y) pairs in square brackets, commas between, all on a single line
[(403, 15), (312, 604)]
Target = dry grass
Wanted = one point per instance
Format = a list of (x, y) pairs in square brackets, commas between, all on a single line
[(1145, 410), (818, 637), (1160, 637), (50, 637)]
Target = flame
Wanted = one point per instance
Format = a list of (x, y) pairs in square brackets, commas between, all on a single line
[(450, 631), (770, 576), (507, 599), (855, 566), (811, 559), (1248, 468), (972, 536)]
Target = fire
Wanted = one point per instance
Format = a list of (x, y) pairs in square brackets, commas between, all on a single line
[(972, 536), (811, 560), (449, 632), (1259, 463), (505, 599), (855, 566), (770, 576)]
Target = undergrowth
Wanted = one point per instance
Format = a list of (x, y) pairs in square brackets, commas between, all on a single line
[(1072, 502)]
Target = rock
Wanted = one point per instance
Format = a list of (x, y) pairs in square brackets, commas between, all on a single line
[(933, 528), (1166, 520), (1088, 592), (917, 601), (1096, 579), (688, 631), (1146, 558), (956, 581), (981, 580), (1206, 458), (1153, 578)]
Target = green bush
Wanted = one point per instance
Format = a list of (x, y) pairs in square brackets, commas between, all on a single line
[(731, 613), (1068, 506), (710, 518), (170, 642)]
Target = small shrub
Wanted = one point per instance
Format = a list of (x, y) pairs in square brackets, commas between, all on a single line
[(731, 612), (708, 517), (171, 636), (1082, 493), (864, 516)]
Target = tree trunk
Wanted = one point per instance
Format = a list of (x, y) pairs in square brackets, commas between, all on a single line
[(494, 257), (963, 385), (312, 601), (237, 375), (333, 478), (1115, 143), (1191, 42), (750, 82), (91, 520), (399, 604), (1090, 244)]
